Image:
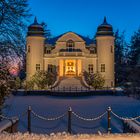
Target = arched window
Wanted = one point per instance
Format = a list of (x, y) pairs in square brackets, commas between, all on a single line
[(70, 45)]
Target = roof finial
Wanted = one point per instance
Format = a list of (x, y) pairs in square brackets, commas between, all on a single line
[(105, 20), (35, 20)]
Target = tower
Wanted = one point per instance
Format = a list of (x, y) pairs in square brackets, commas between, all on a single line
[(34, 48), (105, 52)]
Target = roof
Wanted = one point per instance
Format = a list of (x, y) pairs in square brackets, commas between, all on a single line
[(104, 29), (53, 40)]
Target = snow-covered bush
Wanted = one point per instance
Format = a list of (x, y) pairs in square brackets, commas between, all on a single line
[(17, 83), (95, 80), (29, 85), (41, 80)]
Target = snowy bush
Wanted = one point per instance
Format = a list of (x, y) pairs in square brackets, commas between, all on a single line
[(94, 80), (41, 80)]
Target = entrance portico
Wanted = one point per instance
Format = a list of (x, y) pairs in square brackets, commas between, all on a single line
[(70, 67)]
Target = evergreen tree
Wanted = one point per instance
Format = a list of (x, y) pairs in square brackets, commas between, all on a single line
[(48, 34), (120, 45), (95, 80), (135, 48)]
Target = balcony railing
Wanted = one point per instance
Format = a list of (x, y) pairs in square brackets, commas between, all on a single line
[(70, 53), (67, 54)]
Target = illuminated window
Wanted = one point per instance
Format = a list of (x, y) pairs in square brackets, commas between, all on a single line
[(37, 67), (90, 68), (28, 49), (102, 67), (70, 45)]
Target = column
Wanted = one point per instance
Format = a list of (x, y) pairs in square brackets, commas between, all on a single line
[(61, 67), (76, 67), (79, 65), (64, 67)]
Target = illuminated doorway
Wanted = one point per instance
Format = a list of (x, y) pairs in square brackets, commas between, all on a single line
[(70, 67)]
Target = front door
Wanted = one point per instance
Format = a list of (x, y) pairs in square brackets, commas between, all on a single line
[(70, 68)]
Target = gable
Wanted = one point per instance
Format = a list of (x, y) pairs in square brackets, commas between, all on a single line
[(70, 36)]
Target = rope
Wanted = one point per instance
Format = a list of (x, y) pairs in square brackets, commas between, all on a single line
[(87, 119), (125, 119), (48, 119)]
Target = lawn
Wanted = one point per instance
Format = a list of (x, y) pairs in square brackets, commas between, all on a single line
[(88, 107)]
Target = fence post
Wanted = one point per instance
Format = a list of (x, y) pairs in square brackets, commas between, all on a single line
[(29, 119), (109, 120), (69, 120)]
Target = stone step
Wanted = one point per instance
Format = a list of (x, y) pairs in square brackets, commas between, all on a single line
[(71, 83)]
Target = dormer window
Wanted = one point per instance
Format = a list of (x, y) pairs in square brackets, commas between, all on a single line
[(92, 50), (70, 45), (47, 50)]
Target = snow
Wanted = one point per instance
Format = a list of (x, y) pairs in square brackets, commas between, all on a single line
[(88, 107), (134, 125), (64, 136), (7, 123)]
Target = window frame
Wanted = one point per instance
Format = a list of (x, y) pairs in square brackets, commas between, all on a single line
[(50, 68), (37, 67), (70, 45), (91, 68), (102, 67)]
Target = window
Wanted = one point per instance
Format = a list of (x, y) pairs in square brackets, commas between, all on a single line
[(93, 51), (37, 67), (28, 49), (50, 68), (47, 51), (70, 45), (102, 67), (112, 84), (90, 68), (111, 49)]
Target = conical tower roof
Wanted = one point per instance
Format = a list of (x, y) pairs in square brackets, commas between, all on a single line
[(104, 29), (35, 29)]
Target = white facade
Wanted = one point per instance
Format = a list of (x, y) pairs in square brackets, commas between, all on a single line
[(71, 54)]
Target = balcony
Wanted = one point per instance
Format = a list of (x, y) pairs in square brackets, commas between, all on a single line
[(70, 52)]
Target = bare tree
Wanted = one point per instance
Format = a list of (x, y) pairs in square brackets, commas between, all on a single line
[(14, 16), (13, 20)]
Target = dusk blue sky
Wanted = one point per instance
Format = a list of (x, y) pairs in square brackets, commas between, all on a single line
[(84, 16)]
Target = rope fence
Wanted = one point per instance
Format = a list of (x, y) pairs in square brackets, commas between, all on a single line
[(69, 114), (89, 119), (125, 119), (48, 119)]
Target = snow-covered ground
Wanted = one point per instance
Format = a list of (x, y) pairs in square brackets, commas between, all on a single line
[(64, 136), (85, 106)]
